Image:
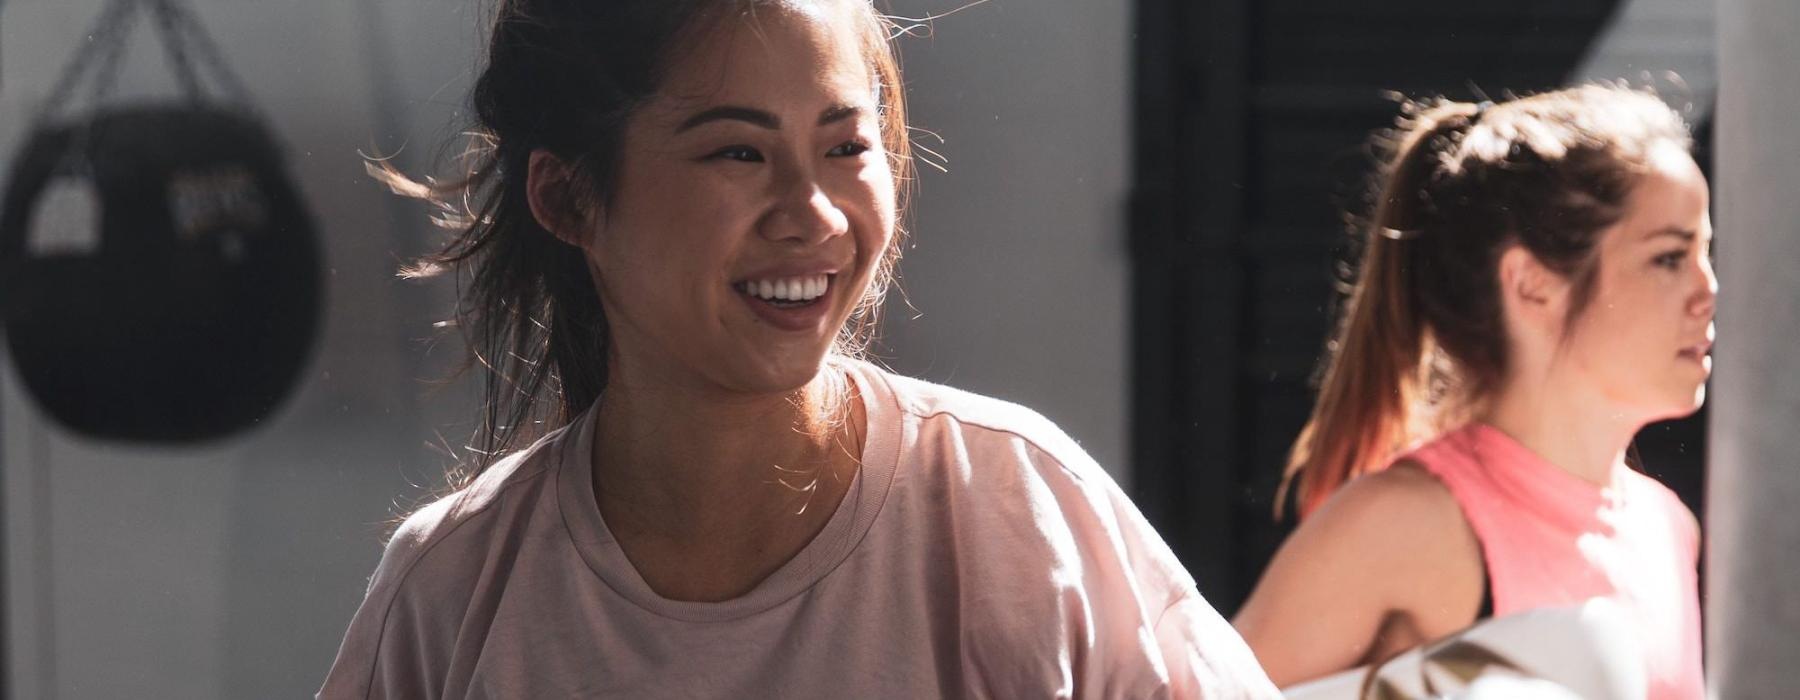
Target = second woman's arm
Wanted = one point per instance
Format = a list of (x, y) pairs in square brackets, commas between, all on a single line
[(1386, 564)]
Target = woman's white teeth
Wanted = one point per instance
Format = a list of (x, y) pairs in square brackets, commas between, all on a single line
[(788, 289)]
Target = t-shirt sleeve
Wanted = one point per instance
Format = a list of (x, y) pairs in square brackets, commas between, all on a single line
[(1202, 655), (387, 651), (1205, 656)]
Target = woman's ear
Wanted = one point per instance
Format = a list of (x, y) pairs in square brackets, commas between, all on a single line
[(551, 188), (1531, 292)]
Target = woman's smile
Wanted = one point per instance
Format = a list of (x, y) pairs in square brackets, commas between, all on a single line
[(1699, 353), (789, 302)]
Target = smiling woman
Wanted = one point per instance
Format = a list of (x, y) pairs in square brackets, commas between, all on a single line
[(683, 222)]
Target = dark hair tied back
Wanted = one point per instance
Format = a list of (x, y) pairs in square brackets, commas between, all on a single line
[(1422, 339), (565, 76)]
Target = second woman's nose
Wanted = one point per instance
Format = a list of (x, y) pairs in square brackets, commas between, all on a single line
[(1705, 300)]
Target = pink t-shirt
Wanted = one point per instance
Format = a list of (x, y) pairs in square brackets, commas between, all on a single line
[(1551, 539), (978, 553)]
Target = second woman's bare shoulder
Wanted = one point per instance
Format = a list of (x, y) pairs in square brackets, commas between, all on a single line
[(1405, 492), (1391, 548), (1402, 517), (1413, 533)]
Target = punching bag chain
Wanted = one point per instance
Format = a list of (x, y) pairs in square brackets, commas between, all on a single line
[(183, 37)]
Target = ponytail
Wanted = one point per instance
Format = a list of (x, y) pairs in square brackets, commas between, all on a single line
[(1376, 374), (1423, 339)]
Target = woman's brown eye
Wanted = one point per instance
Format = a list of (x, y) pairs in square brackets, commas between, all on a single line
[(851, 149), (738, 153)]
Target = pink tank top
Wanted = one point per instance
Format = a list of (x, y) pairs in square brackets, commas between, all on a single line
[(1551, 539)]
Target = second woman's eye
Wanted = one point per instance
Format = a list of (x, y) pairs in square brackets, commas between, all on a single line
[(1671, 260), (744, 154), (848, 149)]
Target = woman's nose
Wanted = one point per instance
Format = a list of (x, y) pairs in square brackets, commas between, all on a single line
[(1705, 300), (804, 212)]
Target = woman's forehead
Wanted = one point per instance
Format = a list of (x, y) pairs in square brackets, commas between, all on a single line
[(775, 53), (1669, 197)]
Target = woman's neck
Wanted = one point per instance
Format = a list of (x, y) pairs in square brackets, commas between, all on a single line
[(1572, 430), (709, 492)]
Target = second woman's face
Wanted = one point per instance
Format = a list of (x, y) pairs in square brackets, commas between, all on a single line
[(754, 202), (1644, 337)]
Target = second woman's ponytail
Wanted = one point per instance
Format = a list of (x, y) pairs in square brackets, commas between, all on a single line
[(1423, 339), (1375, 373)]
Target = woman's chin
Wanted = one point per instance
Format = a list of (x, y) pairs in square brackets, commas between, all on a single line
[(1699, 398), (1693, 394), (1681, 403), (783, 374)]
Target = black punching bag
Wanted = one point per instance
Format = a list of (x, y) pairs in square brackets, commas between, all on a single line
[(159, 273)]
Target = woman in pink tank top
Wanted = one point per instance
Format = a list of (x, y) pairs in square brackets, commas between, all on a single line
[(1535, 288)]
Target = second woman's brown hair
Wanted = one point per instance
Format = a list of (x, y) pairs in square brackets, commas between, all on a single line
[(1421, 340)]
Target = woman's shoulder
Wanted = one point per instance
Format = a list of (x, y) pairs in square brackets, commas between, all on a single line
[(449, 533), (1018, 432), (433, 565), (1400, 532), (500, 480), (1407, 494), (1024, 483), (1403, 521)]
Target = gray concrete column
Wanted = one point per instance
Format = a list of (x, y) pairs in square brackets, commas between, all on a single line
[(1753, 499)]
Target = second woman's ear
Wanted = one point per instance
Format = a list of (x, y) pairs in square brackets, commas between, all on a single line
[(1531, 291), (551, 188)]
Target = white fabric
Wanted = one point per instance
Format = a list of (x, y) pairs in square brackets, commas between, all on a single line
[(1542, 654)]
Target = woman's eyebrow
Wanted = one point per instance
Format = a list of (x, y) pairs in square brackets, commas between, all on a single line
[(839, 113), (754, 117), (1675, 231), (760, 118)]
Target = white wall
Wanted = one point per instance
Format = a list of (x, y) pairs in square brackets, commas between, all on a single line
[(1018, 270), (1666, 43), (1753, 613), (230, 570)]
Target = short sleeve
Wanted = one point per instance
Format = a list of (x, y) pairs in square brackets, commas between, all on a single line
[(386, 652), (1205, 656)]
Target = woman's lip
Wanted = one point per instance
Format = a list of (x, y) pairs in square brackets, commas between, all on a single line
[(1696, 350), (785, 272), (802, 317), (1704, 362), (809, 316)]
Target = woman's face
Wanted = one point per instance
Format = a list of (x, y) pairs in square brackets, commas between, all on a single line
[(1644, 337), (754, 202)]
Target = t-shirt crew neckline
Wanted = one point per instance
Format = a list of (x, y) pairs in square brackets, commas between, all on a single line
[(852, 520)]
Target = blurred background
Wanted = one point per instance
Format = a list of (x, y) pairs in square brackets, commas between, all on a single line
[(1137, 234)]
